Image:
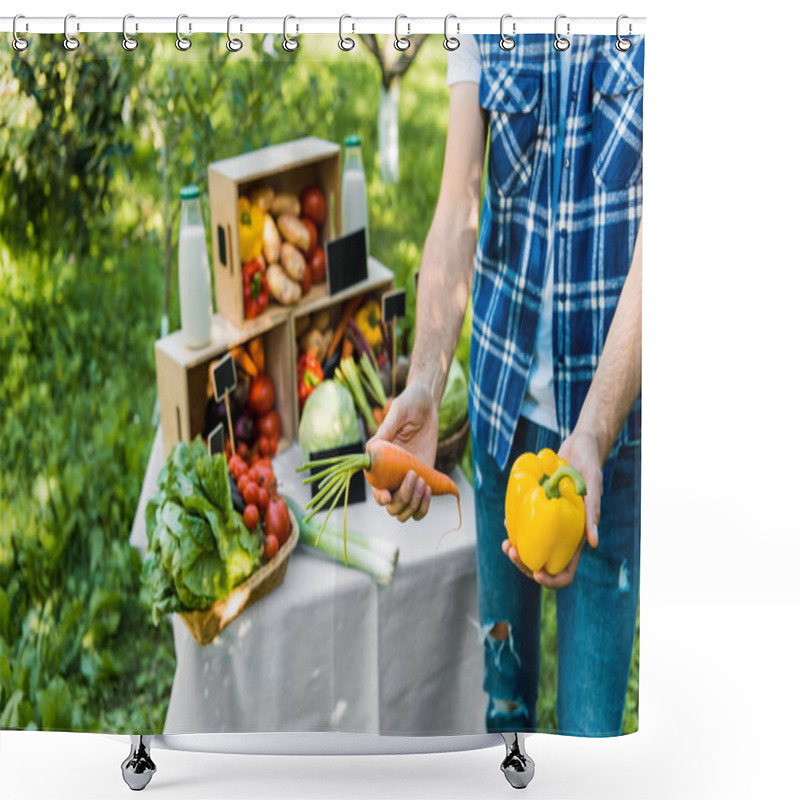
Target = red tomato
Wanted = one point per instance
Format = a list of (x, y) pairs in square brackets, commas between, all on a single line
[(265, 446), (266, 475), (312, 235), (250, 516), (317, 264), (278, 519), (241, 483), (312, 201), (263, 499), (269, 424), (273, 445), (262, 394), (250, 495), (271, 546), (242, 450)]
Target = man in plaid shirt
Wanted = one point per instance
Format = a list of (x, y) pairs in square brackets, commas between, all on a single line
[(556, 349)]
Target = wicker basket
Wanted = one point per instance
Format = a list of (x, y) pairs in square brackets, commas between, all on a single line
[(206, 624), (450, 450)]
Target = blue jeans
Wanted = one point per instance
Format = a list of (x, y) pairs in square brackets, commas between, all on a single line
[(596, 614)]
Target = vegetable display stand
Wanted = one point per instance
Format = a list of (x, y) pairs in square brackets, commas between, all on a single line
[(206, 624), (283, 171), (184, 389)]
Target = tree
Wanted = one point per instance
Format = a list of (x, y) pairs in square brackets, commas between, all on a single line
[(394, 64)]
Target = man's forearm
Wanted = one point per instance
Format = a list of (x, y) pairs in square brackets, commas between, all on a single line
[(618, 379)]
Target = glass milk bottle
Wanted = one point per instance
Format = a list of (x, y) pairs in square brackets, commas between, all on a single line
[(194, 278), (354, 189)]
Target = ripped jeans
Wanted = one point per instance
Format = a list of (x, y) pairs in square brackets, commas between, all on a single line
[(596, 614)]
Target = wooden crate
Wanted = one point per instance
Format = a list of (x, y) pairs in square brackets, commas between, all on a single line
[(288, 167), (182, 374), (379, 279)]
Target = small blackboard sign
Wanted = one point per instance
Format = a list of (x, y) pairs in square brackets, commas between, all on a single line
[(393, 305), (224, 373), (358, 485), (216, 440), (346, 258)]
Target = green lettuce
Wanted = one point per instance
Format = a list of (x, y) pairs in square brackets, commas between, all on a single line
[(198, 548)]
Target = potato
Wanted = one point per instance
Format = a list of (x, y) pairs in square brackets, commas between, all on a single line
[(281, 286), (301, 325), (262, 198), (294, 231), (293, 262), (285, 203), (312, 342), (322, 320), (272, 241)]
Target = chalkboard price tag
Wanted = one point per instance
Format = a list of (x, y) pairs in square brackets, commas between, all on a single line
[(393, 305), (216, 440), (224, 374), (346, 258)]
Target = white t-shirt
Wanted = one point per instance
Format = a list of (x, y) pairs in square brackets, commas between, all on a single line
[(539, 403)]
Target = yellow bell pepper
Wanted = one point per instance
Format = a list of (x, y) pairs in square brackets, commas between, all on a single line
[(368, 320), (545, 514), (251, 230)]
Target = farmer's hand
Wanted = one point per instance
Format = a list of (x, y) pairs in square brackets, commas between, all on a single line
[(413, 424), (579, 450)]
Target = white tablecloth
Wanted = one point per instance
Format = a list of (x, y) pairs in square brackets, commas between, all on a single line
[(329, 649)]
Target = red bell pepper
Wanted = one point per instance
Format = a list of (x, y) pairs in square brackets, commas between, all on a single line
[(309, 376)]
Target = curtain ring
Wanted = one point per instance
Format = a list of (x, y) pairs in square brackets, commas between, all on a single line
[(70, 42), (560, 42), (128, 43), (289, 44), (506, 42), (451, 42), (181, 42), (345, 42), (233, 44), (401, 42), (623, 45), (17, 42)]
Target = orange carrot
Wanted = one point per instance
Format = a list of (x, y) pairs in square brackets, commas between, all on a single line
[(350, 308)]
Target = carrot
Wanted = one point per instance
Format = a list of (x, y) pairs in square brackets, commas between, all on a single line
[(350, 308), (385, 466)]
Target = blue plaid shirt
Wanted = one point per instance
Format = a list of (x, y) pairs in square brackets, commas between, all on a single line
[(599, 208)]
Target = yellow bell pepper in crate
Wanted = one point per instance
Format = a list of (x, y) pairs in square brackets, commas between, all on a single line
[(368, 320), (251, 230), (545, 513)]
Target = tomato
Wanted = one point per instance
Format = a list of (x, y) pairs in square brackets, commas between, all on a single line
[(242, 450), (271, 546), (264, 446), (317, 264), (250, 495), (266, 477), (278, 519), (250, 516), (262, 394), (312, 201), (241, 483), (263, 499), (312, 235)]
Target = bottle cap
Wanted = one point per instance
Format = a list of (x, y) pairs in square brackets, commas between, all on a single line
[(190, 192), (353, 140)]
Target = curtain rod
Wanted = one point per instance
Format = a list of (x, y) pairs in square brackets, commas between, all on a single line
[(298, 25)]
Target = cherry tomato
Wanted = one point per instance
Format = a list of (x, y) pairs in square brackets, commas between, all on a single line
[(264, 446), (312, 201), (241, 483), (270, 425), (317, 264), (312, 235), (242, 449), (262, 394), (271, 546), (250, 495), (263, 499), (278, 519), (266, 475), (250, 516)]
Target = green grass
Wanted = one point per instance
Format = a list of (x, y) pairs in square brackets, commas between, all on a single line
[(77, 377)]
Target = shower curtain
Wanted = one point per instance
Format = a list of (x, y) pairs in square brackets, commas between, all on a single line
[(443, 245)]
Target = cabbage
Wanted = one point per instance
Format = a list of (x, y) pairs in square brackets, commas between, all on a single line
[(453, 408), (329, 419)]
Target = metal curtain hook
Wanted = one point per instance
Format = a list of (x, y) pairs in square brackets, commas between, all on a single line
[(181, 42), (345, 42), (401, 42), (506, 42), (560, 42), (17, 42), (451, 42), (233, 44), (623, 45), (128, 43), (70, 42), (289, 44)]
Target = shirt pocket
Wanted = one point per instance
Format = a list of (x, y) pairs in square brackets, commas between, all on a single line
[(617, 92), (512, 98)]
